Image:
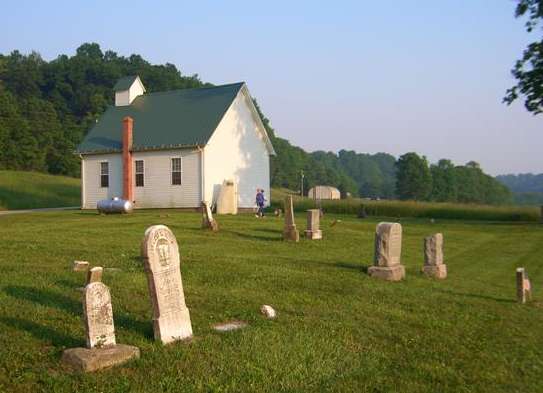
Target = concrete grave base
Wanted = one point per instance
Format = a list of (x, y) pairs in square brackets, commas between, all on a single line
[(313, 235), (435, 271), (291, 234), (393, 273), (89, 360)]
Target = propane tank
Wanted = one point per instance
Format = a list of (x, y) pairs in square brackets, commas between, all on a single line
[(114, 206)]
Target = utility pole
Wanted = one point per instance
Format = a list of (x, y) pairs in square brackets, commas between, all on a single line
[(302, 180)]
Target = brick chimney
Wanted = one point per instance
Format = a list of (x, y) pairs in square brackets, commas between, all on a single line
[(128, 187)]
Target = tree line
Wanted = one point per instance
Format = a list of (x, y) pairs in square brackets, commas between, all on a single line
[(46, 108)]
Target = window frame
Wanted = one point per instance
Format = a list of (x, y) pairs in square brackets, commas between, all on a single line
[(142, 173), (180, 171), (102, 174)]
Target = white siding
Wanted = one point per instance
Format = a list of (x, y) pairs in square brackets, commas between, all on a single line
[(158, 192), (90, 185), (237, 150)]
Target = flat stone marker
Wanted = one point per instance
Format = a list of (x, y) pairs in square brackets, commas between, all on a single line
[(102, 350), (388, 249), (80, 266), (89, 360), (313, 231), (433, 257), (524, 287), (160, 252), (289, 230), (229, 326), (208, 222), (94, 275)]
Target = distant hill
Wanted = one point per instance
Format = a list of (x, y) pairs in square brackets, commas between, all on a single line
[(31, 190), (47, 107), (527, 188)]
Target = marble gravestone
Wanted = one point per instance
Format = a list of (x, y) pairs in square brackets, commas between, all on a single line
[(208, 222), (94, 274), (102, 350), (433, 257), (289, 230), (524, 287), (388, 249), (171, 318), (313, 231), (98, 315)]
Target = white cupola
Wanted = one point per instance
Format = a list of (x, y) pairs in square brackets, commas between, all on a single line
[(127, 89)]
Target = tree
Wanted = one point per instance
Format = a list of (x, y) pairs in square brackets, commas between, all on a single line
[(528, 71), (414, 180), (444, 188)]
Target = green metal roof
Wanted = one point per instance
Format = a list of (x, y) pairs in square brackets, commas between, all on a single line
[(178, 118), (124, 83)]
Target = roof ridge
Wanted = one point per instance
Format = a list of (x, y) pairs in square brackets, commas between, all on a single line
[(193, 88)]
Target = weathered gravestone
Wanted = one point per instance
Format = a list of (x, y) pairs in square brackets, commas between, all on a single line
[(388, 249), (80, 266), (171, 318), (102, 350), (289, 230), (94, 275), (313, 231), (433, 257), (208, 222), (524, 287)]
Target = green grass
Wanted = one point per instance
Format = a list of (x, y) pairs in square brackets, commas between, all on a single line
[(392, 208), (31, 190), (337, 329)]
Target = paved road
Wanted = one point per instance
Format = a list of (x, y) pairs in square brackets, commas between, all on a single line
[(48, 209)]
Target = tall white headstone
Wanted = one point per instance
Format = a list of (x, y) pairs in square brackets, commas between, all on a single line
[(171, 318)]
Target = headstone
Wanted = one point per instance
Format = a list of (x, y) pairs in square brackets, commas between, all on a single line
[(94, 275), (388, 249), (160, 252), (80, 266), (524, 287), (98, 316), (268, 311), (433, 257), (227, 201), (289, 231), (208, 222), (102, 350), (313, 231)]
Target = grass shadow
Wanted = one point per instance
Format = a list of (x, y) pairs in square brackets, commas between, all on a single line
[(54, 300), (45, 298), (257, 237), (43, 333), (476, 296)]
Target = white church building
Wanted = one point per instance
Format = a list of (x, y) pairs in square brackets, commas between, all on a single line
[(174, 149)]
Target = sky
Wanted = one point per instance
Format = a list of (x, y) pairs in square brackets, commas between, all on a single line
[(371, 76)]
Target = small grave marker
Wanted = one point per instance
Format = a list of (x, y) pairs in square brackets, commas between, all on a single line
[(433, 257), (289, 230)]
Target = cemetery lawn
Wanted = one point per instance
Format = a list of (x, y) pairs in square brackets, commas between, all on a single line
[(337, 329)]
